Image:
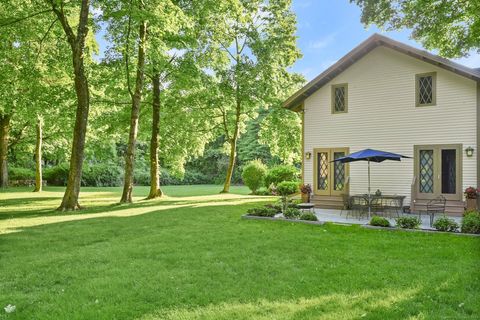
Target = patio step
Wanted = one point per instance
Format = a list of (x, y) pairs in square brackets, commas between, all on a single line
[(452, 208), (327, 202)]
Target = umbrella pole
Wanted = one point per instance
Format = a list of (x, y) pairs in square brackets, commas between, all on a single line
[(369, 200)]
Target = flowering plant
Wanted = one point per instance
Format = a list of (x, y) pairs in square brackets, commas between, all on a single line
[(471, 193), (305, 188)]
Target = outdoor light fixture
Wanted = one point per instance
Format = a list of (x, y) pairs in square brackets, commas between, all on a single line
[(308, 155), (469, 151)]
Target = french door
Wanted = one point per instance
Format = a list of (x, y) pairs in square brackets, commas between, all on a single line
[(330, 178), (438, 171)]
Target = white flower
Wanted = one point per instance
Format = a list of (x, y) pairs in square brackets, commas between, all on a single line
[(10, 308)]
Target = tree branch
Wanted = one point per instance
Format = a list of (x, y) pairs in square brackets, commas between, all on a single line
[(16, 20)]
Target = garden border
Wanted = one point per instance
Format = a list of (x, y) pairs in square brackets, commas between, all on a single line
[(248, 217), (366, 226)]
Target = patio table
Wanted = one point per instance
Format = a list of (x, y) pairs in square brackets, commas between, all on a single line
[(380, 203)]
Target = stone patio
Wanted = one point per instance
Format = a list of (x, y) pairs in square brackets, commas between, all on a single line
[(334, 216)]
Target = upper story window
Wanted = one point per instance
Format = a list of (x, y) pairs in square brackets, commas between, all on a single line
[(426, 89), (340, 98)]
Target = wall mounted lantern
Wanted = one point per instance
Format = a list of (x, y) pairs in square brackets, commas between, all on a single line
[(469, 151), (308, 155)]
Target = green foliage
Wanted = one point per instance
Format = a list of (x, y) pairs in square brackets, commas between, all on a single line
[(308, 216), (262, 212), (445, 224), (452, 27), (292, 213), (263, 192), (471, 222), (281, 173), (379, 221), (102, 175), (20, 174), (56, 175), (281, 131), (408, 222), (253, 174), (287, 188)]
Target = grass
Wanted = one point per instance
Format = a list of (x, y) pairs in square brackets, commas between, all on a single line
[(190, 256)]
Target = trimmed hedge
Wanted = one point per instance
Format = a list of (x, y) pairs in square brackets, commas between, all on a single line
[(379, 222)]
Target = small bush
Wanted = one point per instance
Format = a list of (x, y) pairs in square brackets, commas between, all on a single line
[(277, 207), (102, 175), (253, 175), (57, 175), (278, 174), (287, 188), (379, 222), (308, 216), (408, 222), (20, 174), (292, 213), (263, 192), (445, 224), (262, 212), (471, 222)]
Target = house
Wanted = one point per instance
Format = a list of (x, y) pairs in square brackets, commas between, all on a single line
[(389, 96)]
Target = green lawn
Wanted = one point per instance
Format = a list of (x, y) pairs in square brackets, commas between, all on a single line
[(191, 256)]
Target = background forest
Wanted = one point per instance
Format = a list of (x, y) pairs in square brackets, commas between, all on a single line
[(186, 92)]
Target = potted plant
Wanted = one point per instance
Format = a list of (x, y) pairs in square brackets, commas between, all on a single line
[(306, 190), (471, 195)]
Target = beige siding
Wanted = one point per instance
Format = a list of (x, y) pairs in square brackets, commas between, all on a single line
[(382, 115)]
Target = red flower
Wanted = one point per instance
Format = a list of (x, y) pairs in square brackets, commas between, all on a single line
[(471, 193)]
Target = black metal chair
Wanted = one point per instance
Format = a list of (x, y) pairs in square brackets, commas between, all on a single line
[(359, 207), (434, 206), (347, 203)]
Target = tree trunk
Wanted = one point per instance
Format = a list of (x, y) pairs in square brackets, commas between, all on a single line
[(155, 190), (77, 44), (38, 156), (233, 147), (4, 136), (134, 116)]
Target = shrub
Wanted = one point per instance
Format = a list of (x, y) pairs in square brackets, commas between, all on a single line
[(263, 192), (408, 222), (253, 175), (284, 189), (102, 175), (309, 216), (20, 174), (292, 213), (445, 224), (471, 222), (262, 212), (277, 207), (281, 173), (287, 188), (57, 175), (379, 222)]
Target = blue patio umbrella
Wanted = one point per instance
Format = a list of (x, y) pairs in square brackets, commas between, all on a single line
[(370, 155)]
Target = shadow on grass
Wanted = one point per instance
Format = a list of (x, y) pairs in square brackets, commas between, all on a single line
[(22, 219), (200, 261)]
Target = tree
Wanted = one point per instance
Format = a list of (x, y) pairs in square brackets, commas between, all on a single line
[(77, 46), (38, 155), (253, 44), (452, 27)]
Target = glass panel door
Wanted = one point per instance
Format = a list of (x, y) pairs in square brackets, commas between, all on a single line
[(330, 178), (449, 168), (322, 171), (438, 171), (427, 171)]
